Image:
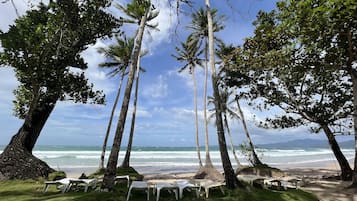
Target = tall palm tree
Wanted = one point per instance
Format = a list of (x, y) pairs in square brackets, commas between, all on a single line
[(189, 53), (142, 12), (199, 27), (119, 55), (230, 177), (256, 161), (226, 111), (126, 161)]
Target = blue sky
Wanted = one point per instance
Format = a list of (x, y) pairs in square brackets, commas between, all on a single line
[(165, 107)]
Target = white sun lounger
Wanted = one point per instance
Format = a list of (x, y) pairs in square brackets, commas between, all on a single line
[(165, 185), (123, 177), (182, 184), (208, 184), (138, 185), (67, 183)]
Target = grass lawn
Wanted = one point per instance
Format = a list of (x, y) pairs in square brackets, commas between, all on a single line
[(33, 190)]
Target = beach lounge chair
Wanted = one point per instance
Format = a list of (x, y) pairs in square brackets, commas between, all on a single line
[(143, 185), (207, 184), (123, 177), (61, 184), (67, 183), (183, 184), (167, 186), (82, 182)]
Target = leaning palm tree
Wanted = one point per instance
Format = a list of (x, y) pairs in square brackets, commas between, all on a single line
[(119, 55), (142, 12), (255, 159), (126, 161), (226, 111), (229, 174), (189, 53), (199, 29)]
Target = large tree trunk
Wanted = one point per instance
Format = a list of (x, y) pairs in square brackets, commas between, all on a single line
[(102, 156), (110, 171), (208, 162), (196, 118), (346, 171), (256, 161), (230, 177), (126, 161), (17, 161)]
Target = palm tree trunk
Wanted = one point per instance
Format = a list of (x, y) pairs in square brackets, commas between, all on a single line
[(346, 171), (104, 147), (354, 85), (256, 160), (205, 119), (231, 141), (126, 161), (230, 177), (196, 117), (110, 172)]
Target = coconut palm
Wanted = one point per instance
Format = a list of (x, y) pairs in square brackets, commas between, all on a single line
[(199, 29), (119, 55), (230, 177), (126, 161), (255, 159), (189, 53), (141, 12), (226, 111)]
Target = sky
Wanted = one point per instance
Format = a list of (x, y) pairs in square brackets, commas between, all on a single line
[(165, 115)]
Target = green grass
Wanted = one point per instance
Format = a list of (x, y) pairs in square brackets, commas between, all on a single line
[(33, 191)]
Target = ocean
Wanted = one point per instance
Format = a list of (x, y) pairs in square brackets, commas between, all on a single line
[(155, 160)]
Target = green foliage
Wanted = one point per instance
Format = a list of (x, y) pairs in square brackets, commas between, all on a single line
[(45, 44), (299, 61)]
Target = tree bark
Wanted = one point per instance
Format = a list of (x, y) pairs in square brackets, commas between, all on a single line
[(110, 171), (126, 161), (17, 161), (346, 171), (230, 177), (256, 160), (208, 162), (196, 117), (104, 147), (231, 141), (354, 85)]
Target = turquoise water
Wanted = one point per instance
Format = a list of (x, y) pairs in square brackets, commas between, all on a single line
[(176, 159)]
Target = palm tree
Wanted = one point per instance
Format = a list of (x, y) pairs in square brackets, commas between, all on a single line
[(189, 53), (142, 12), (231, 179), (200, 32), (226, 111), (126, 161), (119, 55), (256, 161)]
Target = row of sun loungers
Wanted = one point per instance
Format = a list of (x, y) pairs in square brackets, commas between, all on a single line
[(177, 187)]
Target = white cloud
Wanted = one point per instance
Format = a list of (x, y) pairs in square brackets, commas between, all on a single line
[(159, 89), (166, 21)]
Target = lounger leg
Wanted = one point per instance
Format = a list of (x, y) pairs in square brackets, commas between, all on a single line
[(148, 192), (222, 189), (158, 194), (127, 198), (46, 188), (176, 193), (207, 192), (86, 188), (180, 193)]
